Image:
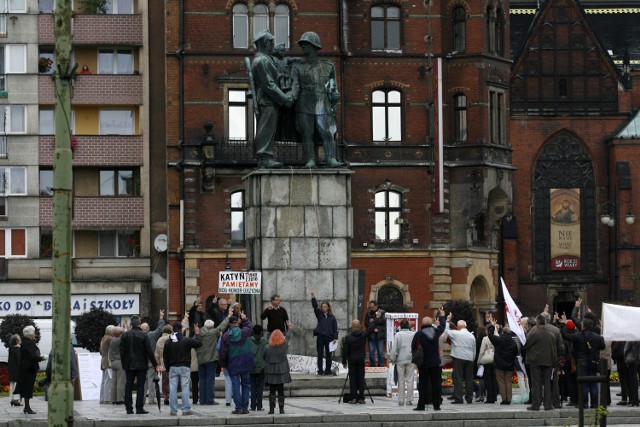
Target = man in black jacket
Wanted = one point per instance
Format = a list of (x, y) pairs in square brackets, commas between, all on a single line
[(136, 353), (377, 336), (354, 351), (504, 359), (177, 360), (430, 372)]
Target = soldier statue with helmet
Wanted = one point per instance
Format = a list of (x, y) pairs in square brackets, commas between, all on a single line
[(315, 91)]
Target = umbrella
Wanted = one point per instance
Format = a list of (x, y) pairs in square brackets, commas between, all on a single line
[(156, 380)]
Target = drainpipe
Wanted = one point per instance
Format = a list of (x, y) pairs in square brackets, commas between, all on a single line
[(344, 50), (180, 56)]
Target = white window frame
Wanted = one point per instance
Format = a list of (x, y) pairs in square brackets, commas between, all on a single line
[(48, 10), (100, 122), (115, 52), (15, 66), (10, 110), (248, 114), (261, 19), (237, 212), (119, 234), (13, 6), (387, 227), (47, 111), (240, 17), (3, 25), (391, 124), (7, 171), (113, 8), (284, 19), (8, 234)]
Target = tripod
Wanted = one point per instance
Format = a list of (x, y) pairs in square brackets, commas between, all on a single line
[(344, 385)]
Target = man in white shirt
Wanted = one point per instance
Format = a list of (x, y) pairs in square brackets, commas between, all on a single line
[(463, 352)]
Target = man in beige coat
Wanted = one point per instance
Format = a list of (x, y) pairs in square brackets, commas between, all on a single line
[(105, 386)]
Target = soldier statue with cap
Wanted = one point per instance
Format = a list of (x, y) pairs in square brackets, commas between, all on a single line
[(268, 98), (315, 91)]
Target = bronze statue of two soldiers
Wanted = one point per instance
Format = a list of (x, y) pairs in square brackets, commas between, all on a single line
[(279, 83)]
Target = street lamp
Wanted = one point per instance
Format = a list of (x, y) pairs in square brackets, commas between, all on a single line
[(608, 215), (209, 143)]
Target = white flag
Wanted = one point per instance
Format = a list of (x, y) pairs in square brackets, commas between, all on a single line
[(513, 314), (620, 322)]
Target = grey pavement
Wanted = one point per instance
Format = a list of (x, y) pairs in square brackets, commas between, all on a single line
[(314, 411)]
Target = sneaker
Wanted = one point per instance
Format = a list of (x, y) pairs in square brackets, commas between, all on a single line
[(401, 403), (173, 413), (214, 403), (187, 413), (409, 403), (237, 412), (245, 411), (228, 404)]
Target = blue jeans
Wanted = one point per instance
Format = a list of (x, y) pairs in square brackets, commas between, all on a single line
[(141, 376), (241, 395), (322, 346), (257, 390), (228, 387), (207, 381), (376, 345), (180, 374), (590, 390)]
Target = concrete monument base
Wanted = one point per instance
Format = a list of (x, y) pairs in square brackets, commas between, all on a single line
[(298, 233)]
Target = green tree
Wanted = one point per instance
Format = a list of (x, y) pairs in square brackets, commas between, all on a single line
[(90, 327), (14, 324), (461, 311), (93, 6)]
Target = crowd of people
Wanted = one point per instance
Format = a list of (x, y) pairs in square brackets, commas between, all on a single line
[(190, 355)]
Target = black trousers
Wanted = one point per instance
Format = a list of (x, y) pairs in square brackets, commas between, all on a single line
[(463, 373), (356, 379), (429, 386), (132, 375)]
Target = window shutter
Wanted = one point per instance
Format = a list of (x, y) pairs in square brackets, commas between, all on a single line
[(2, 251), (18, 242)]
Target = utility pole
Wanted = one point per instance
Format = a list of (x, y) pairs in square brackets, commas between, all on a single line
[(61, 389)]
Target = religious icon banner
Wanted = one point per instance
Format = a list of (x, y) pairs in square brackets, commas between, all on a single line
[(565, 228)]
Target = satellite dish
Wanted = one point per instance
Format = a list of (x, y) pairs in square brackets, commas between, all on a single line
[(160, 243)]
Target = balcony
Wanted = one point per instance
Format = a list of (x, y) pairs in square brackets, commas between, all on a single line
[(84, 269), (97, 150), (96, 89), (114, 30), (96, 212)]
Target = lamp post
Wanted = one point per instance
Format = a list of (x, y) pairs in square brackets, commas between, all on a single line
[(608, 216)]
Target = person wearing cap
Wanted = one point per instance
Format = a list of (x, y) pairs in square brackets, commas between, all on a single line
[(315, 90), (268, 98), (236, 357), (177, 359)]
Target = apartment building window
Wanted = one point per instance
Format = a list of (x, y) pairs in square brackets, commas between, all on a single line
[(116, 122), (117, 183), (46, 122), (118, 243), (386, 116), (460, 117), (237, 216), (459, 29), (14, 119), (13, 6), (46, 183), (46, 61), (387, 212), (14, 57), (13, 243), (46, 6), (3, 207), (497, 117), (119, 7), (495, 30), (13, 181), (46, 243), (238, 111), (385, 28), (281, 25), (115, 61), (257, 20), (240, 26)]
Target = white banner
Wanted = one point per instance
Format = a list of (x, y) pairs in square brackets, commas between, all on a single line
[(41, 305), (513, 314), (620, 322), (393, 326), (239, 282), (90, 375)]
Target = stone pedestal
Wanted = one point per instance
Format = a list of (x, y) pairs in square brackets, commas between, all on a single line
[(299, 230)]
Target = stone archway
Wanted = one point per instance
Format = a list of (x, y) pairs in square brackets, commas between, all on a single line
[(482, 298), (391, 295)]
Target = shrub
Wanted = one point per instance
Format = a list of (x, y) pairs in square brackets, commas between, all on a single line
[(90, 327), (461, 311), (14, 324)]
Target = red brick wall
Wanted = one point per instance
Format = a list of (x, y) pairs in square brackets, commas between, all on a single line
[(95, 89), (96, 29), (97, 151), (99, 212)]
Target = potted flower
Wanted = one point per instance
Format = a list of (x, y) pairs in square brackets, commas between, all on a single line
[(44, 64)]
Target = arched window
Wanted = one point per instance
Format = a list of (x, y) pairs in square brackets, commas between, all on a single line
[(459, 29), (281, 25), (491, 28), (386, 116), (240, 26), (460, 118), (260, 18), (388, 207), (500, 29), (237, 216), (385, 28)]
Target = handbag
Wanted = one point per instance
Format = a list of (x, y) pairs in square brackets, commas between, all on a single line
[(487, 357), (417, 355)]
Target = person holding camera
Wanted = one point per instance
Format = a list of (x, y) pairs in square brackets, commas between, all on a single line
[(353, 352)]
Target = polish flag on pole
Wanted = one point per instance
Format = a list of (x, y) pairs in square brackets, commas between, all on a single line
[(513, 314)]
